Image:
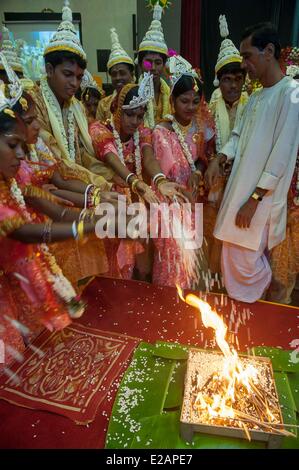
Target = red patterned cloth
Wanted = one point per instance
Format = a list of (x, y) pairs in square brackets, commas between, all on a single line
[(151, 313), (68, 372)]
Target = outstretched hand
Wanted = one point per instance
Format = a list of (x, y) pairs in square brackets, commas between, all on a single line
[(169, 190), (147, 193)]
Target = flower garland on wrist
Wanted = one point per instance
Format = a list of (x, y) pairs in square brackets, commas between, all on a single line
[(61, 286), (68, 140)]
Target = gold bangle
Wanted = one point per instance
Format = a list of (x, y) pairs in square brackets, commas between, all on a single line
[(133, 186), (161, 181), (80, 230), (96, 197), (87, 215), (47, 232)]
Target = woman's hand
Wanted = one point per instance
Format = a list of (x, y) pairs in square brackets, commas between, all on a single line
[(194, 183), (51, 188), (147, 193), (109, 196), (170, 190), (215, 170)]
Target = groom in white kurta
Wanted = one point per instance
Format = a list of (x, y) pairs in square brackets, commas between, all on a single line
[(264, 146)]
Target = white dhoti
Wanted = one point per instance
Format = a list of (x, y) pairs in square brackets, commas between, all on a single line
[(246, 273)]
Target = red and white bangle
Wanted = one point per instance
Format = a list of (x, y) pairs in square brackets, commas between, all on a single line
[(87, 191)]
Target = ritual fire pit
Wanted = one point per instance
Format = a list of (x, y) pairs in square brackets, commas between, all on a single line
[(252, 413), (226, 394)]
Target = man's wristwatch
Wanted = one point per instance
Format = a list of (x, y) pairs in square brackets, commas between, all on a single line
[(256, 196)]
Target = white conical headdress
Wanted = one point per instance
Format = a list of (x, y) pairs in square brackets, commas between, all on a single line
[(178, 66), (146, 92), (154, 38), (228, 52), (9, 51), (65, 38), (118, 55), (14, 88), (89, 82)]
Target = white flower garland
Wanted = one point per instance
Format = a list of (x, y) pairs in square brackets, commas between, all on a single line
[(17, 195), (137, 153), (182, 141), (71, 132), (218, 135), (69, 141), (149, 118), (33, 157), (61, 284), (218, 117)]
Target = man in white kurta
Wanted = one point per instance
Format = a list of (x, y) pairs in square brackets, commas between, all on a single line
[(252, 216)]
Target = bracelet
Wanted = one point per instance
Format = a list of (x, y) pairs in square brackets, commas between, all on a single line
[(74, 230), (133, 186), (87, 215), (96, 198), (83, 214), (47, 232), (86, 194), (129, 176), (161, 181), (80, 229), (154, 179)]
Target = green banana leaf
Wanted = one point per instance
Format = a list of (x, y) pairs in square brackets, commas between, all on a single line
[(281, 359), (175, 391), (163, 432), (171, 350), (289, 443), (294, 386), (142, 393), (146, 412), (286, 400)]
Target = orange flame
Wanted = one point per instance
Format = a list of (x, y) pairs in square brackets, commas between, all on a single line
[(210, 319), (233, 371)]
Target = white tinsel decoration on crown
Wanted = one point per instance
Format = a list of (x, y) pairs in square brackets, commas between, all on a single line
[(114, 39), (224, 32), (157, 15), (67, 14)]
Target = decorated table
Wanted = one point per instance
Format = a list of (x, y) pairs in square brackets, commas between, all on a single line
[(71, 379)]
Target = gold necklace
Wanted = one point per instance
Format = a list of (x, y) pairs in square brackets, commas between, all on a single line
[(184, 129)]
